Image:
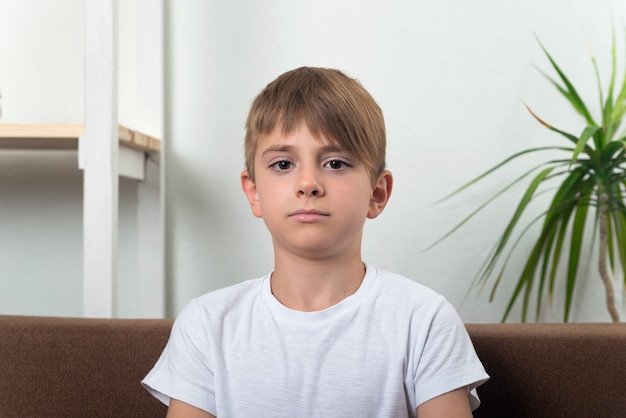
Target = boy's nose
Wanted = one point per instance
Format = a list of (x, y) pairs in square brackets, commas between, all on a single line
[(310, 184)]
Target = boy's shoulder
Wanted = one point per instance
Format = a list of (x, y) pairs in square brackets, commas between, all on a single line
[(235, 292), (409, 298), (397, 285), (230, 299), (218, 310)]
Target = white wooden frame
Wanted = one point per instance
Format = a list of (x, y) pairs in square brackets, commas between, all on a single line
[(99, 151), (106, 150)]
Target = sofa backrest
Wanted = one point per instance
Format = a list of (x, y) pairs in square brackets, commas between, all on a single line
[(552, 370), (76, 367)]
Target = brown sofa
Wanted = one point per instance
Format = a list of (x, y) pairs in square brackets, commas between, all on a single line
[(70, 367)]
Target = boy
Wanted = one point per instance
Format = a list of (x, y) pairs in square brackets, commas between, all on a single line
[(323, 334)]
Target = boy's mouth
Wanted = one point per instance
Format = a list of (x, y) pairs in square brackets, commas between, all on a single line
[(308, 215)]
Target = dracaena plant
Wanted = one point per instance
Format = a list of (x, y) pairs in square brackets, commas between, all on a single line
[(586, 176)]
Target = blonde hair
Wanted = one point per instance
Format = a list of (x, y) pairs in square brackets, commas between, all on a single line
[(330, 103)]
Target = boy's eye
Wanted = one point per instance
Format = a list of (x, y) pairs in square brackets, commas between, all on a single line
[(282, 165), (336, 164)]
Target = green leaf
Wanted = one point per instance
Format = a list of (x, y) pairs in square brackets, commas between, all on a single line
[(587, 133), (500, 165), (619, 106), (569, 92), (521, 207), (545, 266), (495, 196), (558, 250), (578, 230), (556, 222), (569, 136)]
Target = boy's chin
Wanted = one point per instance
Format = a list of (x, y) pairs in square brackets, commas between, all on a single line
[(318, 250)]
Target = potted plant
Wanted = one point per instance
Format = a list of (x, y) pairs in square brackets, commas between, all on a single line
[(588, 180)]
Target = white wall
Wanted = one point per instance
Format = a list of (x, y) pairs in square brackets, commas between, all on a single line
[(451, 77)]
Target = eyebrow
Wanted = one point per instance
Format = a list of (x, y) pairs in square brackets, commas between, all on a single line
[(277, 148), (287, 148)]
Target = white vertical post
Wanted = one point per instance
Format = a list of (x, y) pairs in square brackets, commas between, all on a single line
[(150, 44), (99, 154), (150, 237)]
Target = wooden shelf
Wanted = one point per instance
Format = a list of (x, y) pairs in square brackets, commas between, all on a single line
[(138, 141), (64, 136)]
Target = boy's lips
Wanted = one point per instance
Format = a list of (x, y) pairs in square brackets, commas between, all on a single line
[(308, 215)]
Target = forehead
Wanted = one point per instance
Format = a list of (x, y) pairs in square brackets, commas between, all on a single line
[(299, 134)]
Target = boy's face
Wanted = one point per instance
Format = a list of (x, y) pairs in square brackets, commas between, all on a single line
[(313, 196)]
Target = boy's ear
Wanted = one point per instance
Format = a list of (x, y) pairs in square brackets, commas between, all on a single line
[(380, 194), (249, 188)]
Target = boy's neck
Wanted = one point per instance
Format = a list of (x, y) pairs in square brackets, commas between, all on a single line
[(311, 285)]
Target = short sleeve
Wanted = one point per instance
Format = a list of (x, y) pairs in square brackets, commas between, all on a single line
[(445, 358), (184, 370)]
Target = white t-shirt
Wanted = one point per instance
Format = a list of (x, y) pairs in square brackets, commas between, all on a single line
[(381, 352)]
